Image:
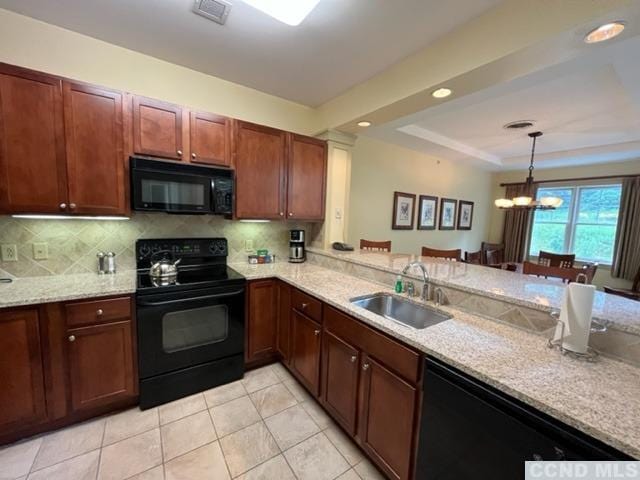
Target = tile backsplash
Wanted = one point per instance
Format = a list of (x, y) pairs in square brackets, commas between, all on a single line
[(73, 244)]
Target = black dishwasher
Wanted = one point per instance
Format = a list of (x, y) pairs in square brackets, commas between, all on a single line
[(470, 430)]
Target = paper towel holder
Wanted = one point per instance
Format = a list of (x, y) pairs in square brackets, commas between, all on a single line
[(591, 355)]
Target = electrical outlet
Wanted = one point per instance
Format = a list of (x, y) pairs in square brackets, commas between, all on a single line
[(338, 213), (40, 251), (9, 253), (248, 245)]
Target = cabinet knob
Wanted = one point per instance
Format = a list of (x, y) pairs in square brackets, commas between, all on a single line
[(63, 206), (304, 305), (282, 214), (72, 338), (365, 366), (316, 332), (72, 206), (99, 312), (179, 152), (291, 214), (353, 359)]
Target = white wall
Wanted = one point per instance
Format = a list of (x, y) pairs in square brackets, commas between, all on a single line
[(378, 169)]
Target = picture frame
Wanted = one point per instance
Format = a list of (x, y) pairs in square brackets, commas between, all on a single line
[(403, 211), (427, 212), (448, 210), (465, 215)]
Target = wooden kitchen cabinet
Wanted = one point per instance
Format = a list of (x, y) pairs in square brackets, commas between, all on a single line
[(306, 178), (261, 320), (283, 323), (305, 351), (22, 395), (100, 365), (95, 150), (158, 128), (210, 139), (260, 171), (387, 418), (340, 373), (32, 152)]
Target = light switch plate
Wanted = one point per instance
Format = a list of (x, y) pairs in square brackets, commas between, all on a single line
[(248, 245), (40, 251), (9, 253)]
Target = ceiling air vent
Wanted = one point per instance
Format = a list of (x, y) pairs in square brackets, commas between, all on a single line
[(216, 10), (518, 125)]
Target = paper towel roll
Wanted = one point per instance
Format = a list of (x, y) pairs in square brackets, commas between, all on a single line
[(575, 315)]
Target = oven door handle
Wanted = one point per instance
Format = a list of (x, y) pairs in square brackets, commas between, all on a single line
[(181, 300)]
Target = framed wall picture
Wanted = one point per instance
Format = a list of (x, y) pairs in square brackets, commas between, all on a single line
[(465, 215), (403, 208), (427, 212), (448, 213)]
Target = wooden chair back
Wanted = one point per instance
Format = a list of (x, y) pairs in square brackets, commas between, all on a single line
[(486, 246), (455, 255), (371, 245), (494, 257), (567, 275), (473, 257), (556, 260), (633, 294)]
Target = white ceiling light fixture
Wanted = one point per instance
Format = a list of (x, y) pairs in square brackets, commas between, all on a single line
[(604, 32), (364, 123), (291, 12), (441, 93)]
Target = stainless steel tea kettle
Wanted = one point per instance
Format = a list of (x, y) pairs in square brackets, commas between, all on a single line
[(166, 268)]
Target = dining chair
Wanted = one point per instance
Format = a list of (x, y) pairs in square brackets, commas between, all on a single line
[(567, 275), (455, 255), (473, 257), (374, 246), (486, 246), (556, 260), (633, 293), (494, 257)]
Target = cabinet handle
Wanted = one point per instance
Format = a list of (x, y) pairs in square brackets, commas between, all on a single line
[(193, 155), (316, 332), (179, 152), (63, 206), (365, 366), (353, 358), (99, 312), (291, 214), (304, 305), (282, 214), (72, 338), (72, 206)]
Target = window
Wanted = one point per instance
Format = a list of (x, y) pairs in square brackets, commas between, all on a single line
[(585, 224)]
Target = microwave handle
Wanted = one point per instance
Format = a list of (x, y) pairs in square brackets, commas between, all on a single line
[(182, 300)]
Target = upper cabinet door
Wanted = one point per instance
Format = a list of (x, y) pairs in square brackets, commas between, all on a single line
[(32, 156), (307, 172), (95, 150), (157, 128), (210, 139), (260, 164)]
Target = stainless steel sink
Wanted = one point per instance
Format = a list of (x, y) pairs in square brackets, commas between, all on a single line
[(400, 310)]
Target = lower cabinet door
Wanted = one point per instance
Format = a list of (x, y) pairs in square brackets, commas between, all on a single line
[(100, 365), (22, 392), (340, 380), (305, 350), (283, 323), (261, 320), (387, 418)]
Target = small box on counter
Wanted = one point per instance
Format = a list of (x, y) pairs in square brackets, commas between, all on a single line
[(263, 256)]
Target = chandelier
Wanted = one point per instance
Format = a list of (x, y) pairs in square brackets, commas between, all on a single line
[(526, 200)]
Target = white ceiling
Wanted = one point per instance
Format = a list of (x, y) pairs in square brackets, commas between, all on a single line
[(588, 109), (340, 44)]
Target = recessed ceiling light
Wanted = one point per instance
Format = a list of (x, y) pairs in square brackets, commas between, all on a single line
[(291, 12), (441, 93), (518, 124), (604, 32), (364, 124)]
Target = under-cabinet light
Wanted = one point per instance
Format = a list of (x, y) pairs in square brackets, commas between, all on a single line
[(67, 217)]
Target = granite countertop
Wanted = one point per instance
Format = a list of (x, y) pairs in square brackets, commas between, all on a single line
[(60, 288), (539, 293), (601, 398)]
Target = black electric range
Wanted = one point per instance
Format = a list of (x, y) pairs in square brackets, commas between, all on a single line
[(191, 330)]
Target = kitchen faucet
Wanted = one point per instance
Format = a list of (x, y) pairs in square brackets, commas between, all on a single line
[(426, 286)]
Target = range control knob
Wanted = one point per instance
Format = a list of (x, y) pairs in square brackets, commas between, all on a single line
[(144, 250)]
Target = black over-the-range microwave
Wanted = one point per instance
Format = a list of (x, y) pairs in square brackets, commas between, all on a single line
[(174, 187)]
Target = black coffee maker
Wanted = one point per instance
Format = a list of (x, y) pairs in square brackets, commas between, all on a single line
[(296, 246)]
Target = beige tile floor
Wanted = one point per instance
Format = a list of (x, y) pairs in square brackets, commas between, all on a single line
[(264, 427)]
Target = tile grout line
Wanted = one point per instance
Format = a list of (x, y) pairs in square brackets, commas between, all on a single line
[(224, 457), (35, 456), (104, 432)]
